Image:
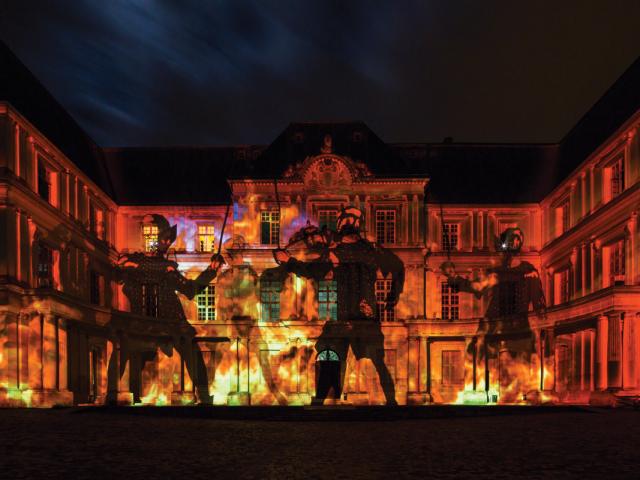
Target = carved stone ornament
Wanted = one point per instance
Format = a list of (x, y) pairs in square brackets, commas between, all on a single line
[(327, 172)]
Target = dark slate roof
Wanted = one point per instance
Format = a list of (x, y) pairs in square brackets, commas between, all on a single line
[(302, 139), (607, 115), (175, 175), (480, 173), (27, 95), (459, 173)]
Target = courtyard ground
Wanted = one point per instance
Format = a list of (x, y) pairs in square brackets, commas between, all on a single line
[(456, 443)]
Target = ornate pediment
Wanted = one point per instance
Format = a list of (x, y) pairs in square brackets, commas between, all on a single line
[(328, 170)]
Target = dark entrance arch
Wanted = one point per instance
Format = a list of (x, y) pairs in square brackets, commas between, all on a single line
[(328, 381)]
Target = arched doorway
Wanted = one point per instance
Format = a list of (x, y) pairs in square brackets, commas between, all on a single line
[(328, 382)]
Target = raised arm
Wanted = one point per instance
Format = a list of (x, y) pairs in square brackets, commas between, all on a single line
[(190, 288)]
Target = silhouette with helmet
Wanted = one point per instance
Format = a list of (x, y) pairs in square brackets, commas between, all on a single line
[(150, 283), (354, 264)]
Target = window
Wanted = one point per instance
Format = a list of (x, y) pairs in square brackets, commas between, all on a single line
[(150, 236), (44, 181), (206, 240), (96, 288), (616, 263), (150, 299), (270, 300), (385, 226), (450, 236), (93, 227), (44, 271), (269, 227), (452, 371), (563, 217), (450, 302), (328, 356), (328, 300), (563, 287), (206, 301), (327, 218), (383, 289), (617, 177), (566, 217)]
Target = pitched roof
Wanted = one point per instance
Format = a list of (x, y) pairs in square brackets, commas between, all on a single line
[(459, 173), (30, 98)]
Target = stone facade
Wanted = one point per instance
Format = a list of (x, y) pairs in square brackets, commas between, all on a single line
[(67, 335)]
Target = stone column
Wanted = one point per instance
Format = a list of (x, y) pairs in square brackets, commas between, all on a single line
[(118, 385), (629, 350), (470, 358), (49, 353), (630, 267), (574, 273), (602, 363), (583, 266)]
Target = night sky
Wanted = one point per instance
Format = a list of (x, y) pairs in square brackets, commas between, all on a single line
[(136, 72)]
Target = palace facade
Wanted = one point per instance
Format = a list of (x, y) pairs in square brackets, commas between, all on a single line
[(70, 211)]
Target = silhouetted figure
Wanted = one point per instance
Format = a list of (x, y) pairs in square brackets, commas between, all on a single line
[(150, 282), (354, 264), (511, 290)]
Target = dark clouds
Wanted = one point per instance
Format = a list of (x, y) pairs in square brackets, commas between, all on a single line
[(142, 72)]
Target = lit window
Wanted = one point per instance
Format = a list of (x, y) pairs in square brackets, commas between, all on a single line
[(44, 181), (617, 177), (450, 236), (150, 299), (269, 227), (270, 300), (616, 263), (150, 235), (45, 266), (327, 218), (452, 371), (385, 226), (206, 302), (383, 290), (206, 239), (328, 300), (450, 301)]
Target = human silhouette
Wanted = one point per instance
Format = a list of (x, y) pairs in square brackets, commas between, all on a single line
[(354, 264), (150, 282)]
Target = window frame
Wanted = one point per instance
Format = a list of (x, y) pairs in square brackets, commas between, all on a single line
[(449, 309), (383, 224), (211, 236), (447, 244), (267, 218), (153, 231), (206, 304), (452, 368), (383, 288), (329, 304), (270, 301)]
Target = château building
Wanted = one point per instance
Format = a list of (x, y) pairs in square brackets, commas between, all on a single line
[(71, 211)]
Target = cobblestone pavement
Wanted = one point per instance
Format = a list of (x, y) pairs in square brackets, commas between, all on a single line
[(63, 444)]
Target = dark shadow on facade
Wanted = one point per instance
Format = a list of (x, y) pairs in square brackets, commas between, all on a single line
[(354, 264), (150, 282), (504, 333)]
